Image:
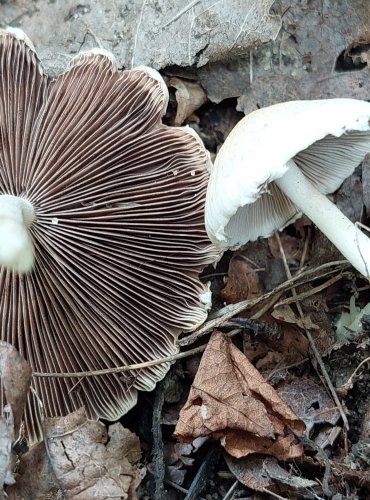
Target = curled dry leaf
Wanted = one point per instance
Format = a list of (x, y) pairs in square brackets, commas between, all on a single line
[(83, 459), (189, 96), (88, 462), (231, 401)]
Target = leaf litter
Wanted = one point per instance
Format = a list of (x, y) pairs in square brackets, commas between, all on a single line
[(262, 398)]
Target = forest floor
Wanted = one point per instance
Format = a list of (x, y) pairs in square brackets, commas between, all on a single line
[(287, 308)]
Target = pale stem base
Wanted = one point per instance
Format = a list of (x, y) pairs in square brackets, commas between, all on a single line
[(16, 246)]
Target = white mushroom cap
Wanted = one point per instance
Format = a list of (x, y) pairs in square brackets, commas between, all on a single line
[(326, 138)]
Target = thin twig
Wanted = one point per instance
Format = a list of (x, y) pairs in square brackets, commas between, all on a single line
[(305, 247), (313, 291), (231, 310), (176, 486), (137, 366), (267, 306), (230, 493), (349, 384)]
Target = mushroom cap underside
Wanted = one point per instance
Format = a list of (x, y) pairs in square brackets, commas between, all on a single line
[(326, 138), (118, 233)]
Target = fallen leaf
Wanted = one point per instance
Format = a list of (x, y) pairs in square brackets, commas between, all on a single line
[(303, 61), (175, 457), (349, 197), (231, 401), (82, 459), (189, 96), (15, 376), (242, 283), (273, 88), (274, 470), (88, 461), (272, 355), (259, 473), (6, 440), (292, 246), (310, 402), (170, 33), (327, 436), (285, 313), (250, 472), (35, 464)]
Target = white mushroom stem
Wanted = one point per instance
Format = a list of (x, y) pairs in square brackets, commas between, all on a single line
[(16, 246), (350, 241)]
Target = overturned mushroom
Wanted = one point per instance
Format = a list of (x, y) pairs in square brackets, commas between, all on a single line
[(281, 160), (102, 208)]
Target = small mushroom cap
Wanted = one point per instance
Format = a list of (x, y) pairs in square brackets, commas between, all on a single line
[(326, 138)]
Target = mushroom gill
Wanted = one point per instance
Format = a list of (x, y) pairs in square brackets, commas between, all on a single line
[(117, 231)]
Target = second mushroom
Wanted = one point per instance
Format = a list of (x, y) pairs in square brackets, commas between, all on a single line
[(282, 160)]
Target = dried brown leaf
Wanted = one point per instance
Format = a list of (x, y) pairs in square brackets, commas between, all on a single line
[(189, 96), (82, 460), (292, 246), (243, 282), (285, 313), (270, 355), (231, 401), (250, 472)]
